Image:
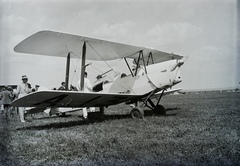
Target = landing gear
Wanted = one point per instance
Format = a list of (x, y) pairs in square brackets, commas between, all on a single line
[(137, 113), (160, 110), (157, 108)]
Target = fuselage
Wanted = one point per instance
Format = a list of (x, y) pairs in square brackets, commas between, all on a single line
[(156, 76)]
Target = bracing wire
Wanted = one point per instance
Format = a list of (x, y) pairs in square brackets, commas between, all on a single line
[(91, 66), (100, 56), (106, 63)]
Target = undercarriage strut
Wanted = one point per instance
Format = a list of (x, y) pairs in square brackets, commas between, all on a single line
[(157, 108)]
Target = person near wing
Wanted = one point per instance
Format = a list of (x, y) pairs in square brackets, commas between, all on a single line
[(6, 99), (22, 90), (87, 88)]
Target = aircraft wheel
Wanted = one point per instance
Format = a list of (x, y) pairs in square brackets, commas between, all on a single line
[(160, 110), (136, 113)]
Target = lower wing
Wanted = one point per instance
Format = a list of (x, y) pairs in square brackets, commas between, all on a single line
[(44, 99), (167, 92)]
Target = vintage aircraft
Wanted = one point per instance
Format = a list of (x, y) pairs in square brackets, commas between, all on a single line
[(155, 71)]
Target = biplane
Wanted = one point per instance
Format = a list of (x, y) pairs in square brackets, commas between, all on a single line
[(153, 73)]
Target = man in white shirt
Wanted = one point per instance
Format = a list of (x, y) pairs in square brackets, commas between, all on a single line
[(87, 88), (22, 90)]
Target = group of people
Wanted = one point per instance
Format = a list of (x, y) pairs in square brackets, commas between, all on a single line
[(8, 95), (25, 88)]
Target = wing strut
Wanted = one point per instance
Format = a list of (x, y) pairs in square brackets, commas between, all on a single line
[(83, 66), (150, 56), (128, 66), (67, 72), (140, 58)]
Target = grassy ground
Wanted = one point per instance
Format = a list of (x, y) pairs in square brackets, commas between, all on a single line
[(199, 129)]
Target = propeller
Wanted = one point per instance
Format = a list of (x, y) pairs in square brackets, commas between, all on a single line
[(179, 63)]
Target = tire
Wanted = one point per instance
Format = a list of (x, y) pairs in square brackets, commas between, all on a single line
[(160, 110), (136, 113)]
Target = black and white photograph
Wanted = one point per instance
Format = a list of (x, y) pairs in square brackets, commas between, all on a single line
[(119, 82)]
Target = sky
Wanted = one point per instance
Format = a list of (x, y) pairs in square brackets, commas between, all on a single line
[(205, 30)]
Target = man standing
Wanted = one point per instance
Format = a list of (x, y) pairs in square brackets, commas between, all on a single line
[(6, 99), (22, 90), (87, 88)]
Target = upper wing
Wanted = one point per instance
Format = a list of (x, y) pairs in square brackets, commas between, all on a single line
[(71, 99), (60, 44)]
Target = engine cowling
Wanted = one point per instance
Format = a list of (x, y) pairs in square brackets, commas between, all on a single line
[(165, 73)]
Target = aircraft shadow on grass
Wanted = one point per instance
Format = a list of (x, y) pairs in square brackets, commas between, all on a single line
[(56, 125)]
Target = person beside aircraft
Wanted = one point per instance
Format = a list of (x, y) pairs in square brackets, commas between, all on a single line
[(6, 99), (87, 84), (62, 87), (22, 90), (87, 88), (1, 105)]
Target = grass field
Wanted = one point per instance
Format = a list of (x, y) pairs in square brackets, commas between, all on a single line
[(199, 129)]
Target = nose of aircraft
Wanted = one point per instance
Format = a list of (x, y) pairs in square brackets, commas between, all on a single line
[(177, 78)]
